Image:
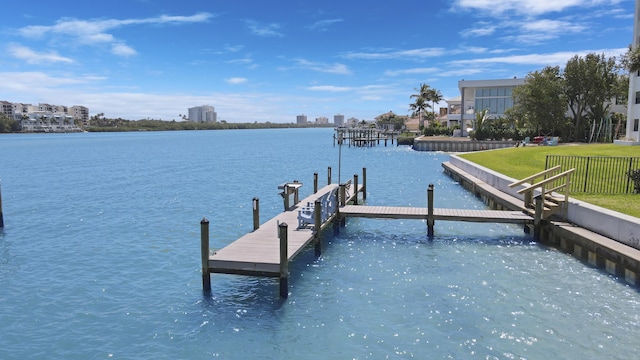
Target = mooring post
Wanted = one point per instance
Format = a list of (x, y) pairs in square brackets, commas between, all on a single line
[(256, 213), (537, 220), (315, 182), (317, 219), (284, 260), (355, 189), (296, 196), (364, 183), (329, 176), (1, 216), (204, 248), (343, 201), (430, 219)]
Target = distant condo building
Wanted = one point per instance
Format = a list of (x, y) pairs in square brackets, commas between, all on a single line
[(45, 117), (322, 120), (203, 114), (301, 119), (338, 120)]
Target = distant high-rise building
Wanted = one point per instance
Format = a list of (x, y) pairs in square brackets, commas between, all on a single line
[(301, 119), (322, 120), (203, 114), (338, 120)]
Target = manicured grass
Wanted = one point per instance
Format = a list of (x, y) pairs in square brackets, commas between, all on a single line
[(525, 161)]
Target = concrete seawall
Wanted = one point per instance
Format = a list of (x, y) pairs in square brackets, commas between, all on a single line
[(604, 238), (426, 143)]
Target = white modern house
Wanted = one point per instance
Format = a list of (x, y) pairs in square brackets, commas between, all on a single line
[(203, 114), (633, 108), (496, 96)]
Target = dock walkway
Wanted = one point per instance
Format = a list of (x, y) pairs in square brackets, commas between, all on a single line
[(258, 252), (422, 213)]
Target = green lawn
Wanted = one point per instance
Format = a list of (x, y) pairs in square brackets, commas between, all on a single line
[(521, 162)]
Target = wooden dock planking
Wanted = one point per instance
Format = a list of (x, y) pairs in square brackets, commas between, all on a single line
[(420, 213), (258, 252)]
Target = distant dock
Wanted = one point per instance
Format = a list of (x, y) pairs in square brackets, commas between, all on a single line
[(364, 137), (267, 250)]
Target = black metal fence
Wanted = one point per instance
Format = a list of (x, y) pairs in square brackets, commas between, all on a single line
[(598, 174)]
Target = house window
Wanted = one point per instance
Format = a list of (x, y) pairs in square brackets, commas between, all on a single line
[(635, 124), (637, 97)]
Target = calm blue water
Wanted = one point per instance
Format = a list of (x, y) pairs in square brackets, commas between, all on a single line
[(100, 259)]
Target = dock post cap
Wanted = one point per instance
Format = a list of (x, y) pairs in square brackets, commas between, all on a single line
[(204, 220)]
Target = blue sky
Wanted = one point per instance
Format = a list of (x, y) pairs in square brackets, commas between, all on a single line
[(272, 60)]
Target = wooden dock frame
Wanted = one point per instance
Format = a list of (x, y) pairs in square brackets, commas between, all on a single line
[(265, 252)]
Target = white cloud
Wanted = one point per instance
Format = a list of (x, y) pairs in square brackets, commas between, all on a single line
[(429, 70), (323, 25), (329, 88), (266, 30), (558, 58), (480, 29), (236, 80), (525, 7), (388, 54), (337, 68), (33, 57), (122, 50), (93, 32)]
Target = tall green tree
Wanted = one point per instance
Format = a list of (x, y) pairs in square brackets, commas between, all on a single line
[(590, 83), (540, 103), (435, 96)]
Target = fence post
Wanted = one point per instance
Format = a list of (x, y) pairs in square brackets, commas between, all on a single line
[(430, 217), (256, 213), (284, 260), (204, 249)]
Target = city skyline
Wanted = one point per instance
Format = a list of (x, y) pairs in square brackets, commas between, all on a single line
[(257, 61)]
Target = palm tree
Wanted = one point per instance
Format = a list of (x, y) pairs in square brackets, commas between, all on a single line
[(435, 96), (421, 103)]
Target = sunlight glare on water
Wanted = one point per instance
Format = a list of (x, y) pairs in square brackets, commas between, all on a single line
[(100, 258)]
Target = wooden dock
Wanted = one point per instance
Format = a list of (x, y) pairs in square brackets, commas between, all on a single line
[(267, 250), (422, 213), (258, 252)]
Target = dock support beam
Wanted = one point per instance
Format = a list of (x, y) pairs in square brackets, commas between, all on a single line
[(329, 176), (315, 182), (284, 260), (204, 245), (256, 213), (430, 217), (1, 216), (355, 189), (537, 220), (317, 219), (364, 183)]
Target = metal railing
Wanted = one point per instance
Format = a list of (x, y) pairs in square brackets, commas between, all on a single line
[(598, 174)]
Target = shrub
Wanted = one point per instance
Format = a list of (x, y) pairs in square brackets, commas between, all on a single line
[(634, 175)]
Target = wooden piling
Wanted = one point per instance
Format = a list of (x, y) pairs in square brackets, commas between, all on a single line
[(355, 192), (204, 248), (329, 176), (1, 216), (430, 215), (537, 219), (364, 184), (284, 260), (315, 182), (317, 219), (256, 213)]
